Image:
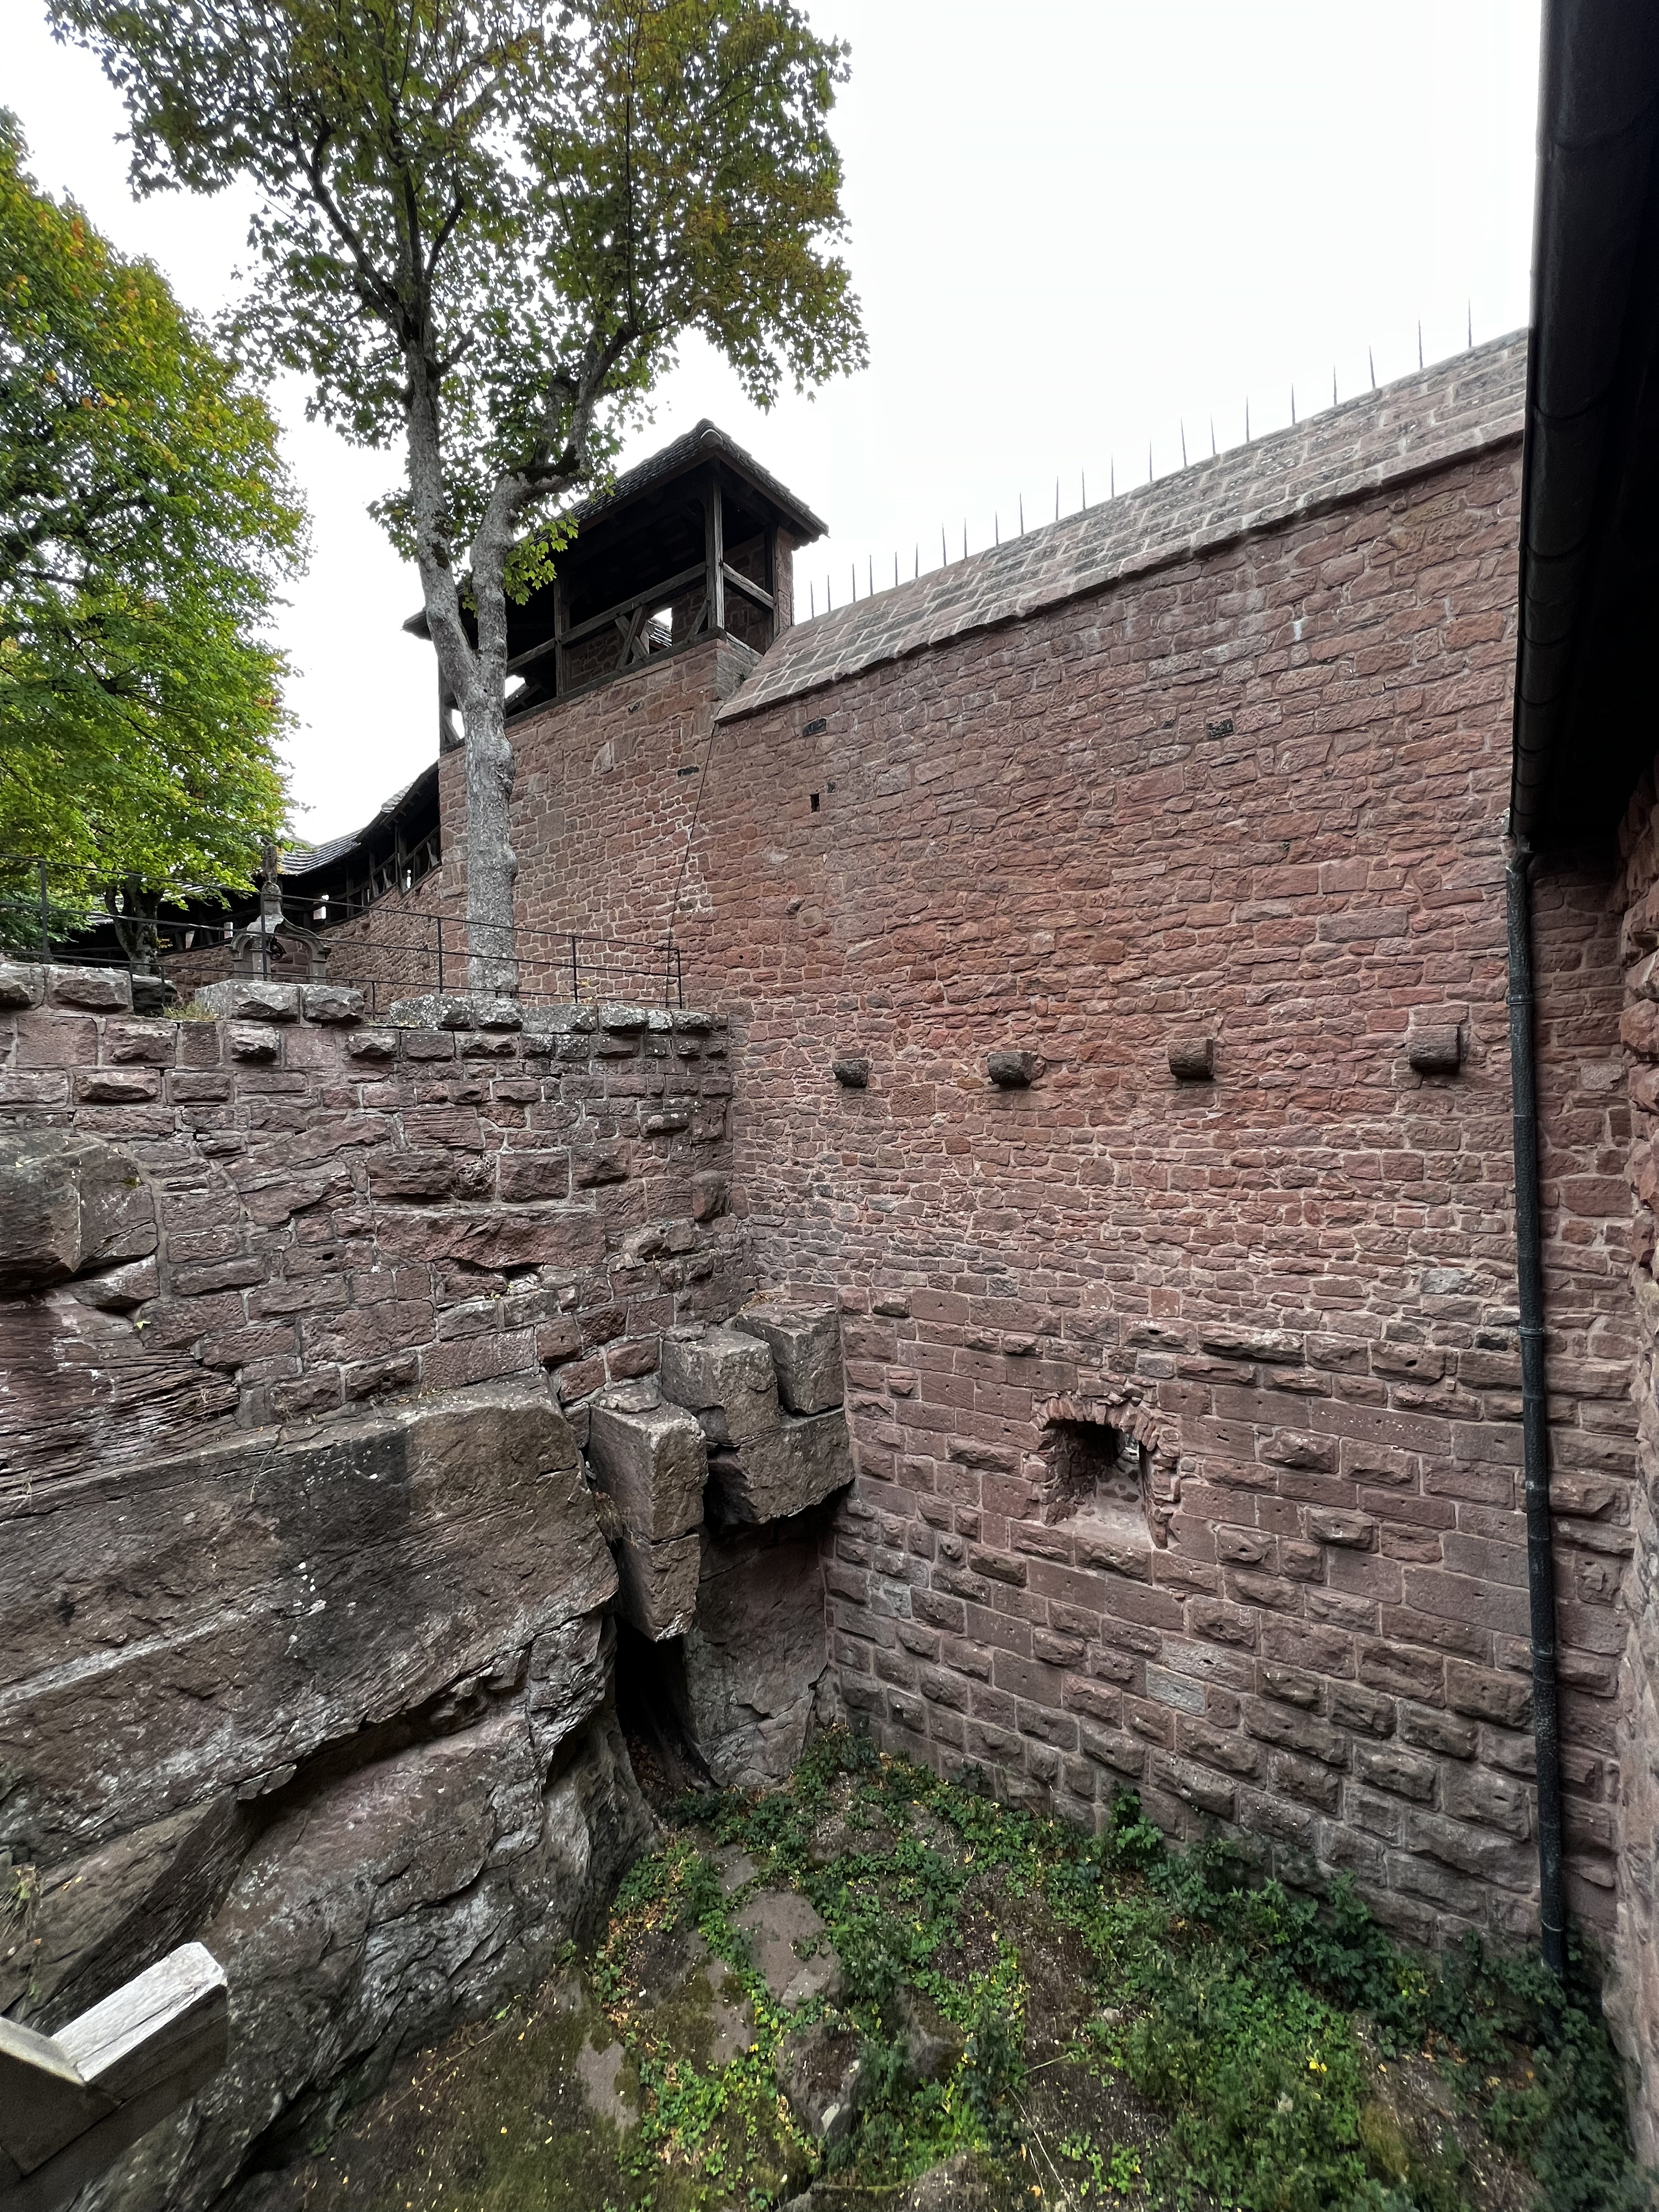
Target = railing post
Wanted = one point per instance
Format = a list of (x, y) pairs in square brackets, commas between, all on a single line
[(440, 951), (45, 917), (575, 979)]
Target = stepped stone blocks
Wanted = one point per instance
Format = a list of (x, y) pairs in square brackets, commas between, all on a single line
[(754, 1655), (804, 1342), (765, 1464), (770, 1477), (649, 1458), (727, 1377)]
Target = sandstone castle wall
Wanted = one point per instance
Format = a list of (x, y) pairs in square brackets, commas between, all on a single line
[(1249, 787)]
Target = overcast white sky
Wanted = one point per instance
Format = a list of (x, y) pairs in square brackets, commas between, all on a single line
[(1075, 224)]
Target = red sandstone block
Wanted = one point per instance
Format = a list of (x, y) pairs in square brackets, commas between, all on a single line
[(55, 1040)]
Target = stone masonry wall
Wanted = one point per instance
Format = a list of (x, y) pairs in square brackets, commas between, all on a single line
[(306, 1596), (1633, 1998), (1251, 795), (606, 787), (345, 1211)]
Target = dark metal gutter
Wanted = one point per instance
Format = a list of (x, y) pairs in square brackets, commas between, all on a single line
[(1535, 1415)]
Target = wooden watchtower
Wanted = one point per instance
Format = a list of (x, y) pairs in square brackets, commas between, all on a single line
[(695, 542)]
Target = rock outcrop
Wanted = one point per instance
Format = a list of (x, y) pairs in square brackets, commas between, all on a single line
[(339, 1705)]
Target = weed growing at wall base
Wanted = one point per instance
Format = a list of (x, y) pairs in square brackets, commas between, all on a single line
[(1018, 2017), (1297, 2059)]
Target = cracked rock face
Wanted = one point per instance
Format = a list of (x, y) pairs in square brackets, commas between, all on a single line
[(292, 1594), (337, 1705), (755, 1654)]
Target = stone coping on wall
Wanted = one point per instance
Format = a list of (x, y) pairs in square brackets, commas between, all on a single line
[(26, 985), (1466, 405)]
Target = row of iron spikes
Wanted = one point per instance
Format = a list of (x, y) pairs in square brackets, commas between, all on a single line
[(1083, 480)]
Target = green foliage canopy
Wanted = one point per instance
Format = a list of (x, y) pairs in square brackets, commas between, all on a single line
[(484, 227), (145, 525)]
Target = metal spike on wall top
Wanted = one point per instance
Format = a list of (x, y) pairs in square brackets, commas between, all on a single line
[(1333, 384), (1213, 437), (1371, 357), (1469, 309), (1057, 499), (1419, 341), (1183, 444), (1293, 406)]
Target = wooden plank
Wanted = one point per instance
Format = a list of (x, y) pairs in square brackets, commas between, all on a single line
[(158, 2025), (652, 596), (750, 589), (70, 2104), (715, 550)]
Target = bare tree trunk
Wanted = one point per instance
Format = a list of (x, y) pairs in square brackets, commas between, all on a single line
[(477, 675), (492, 866)]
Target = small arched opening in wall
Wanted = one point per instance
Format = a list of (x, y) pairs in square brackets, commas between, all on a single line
[(1110, 1463)]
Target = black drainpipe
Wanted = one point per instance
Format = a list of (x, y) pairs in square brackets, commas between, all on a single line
[(1534, 1428)]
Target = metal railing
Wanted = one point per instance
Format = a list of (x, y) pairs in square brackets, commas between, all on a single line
[(180, 938)]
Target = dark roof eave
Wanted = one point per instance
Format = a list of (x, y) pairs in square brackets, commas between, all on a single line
[(1592, 422), (421, 790)]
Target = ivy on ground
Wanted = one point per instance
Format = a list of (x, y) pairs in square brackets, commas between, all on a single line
[(1257, 2024)]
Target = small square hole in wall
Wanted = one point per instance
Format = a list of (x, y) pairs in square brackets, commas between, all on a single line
[(814, 797), (1100, 1474)]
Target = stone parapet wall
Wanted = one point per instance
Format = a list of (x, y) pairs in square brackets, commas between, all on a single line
[(346, 1212)]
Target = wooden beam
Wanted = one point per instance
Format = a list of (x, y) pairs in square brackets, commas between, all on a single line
[(715, 550), (748, 587), (71, 2103), (650, 597)]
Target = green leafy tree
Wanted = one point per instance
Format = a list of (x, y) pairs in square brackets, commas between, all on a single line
[(485, 225), (145, 525)]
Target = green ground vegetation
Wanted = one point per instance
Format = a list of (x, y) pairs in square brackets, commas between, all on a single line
[(1123, 2025)]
